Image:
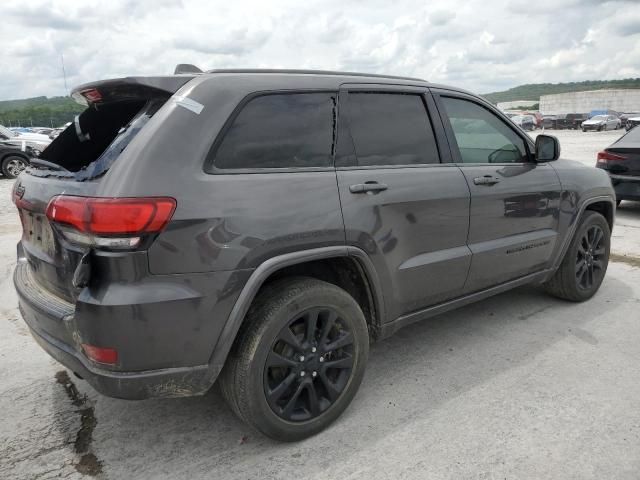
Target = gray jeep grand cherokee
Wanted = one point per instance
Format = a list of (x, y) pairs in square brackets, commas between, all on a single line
[(263, 227)]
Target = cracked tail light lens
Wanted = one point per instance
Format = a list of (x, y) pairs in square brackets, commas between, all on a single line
[(116, 223)]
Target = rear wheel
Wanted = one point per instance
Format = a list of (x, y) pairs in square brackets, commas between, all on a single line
[(585, 263), (13, 165), (298, 360)]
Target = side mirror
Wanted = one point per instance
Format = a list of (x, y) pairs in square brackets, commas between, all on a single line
[(547, 148)]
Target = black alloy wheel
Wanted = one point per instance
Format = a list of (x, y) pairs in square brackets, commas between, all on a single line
[(584, 265), (309, 365), (298, 358), (590, 261)]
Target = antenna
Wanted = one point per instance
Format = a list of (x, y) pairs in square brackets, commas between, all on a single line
[(64, 74)]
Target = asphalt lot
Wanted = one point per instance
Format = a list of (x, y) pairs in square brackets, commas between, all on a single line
[(517, 386)]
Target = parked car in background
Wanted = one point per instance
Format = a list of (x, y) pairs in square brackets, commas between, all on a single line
[(526, 122), (57, 131), (600, 123), (13, 160), (20, 130), (561, 121), (35, 141), (538, 119), (625, 116), (632, 122), (549, 121), (43, 130), (574, 120), (621, 160), (570, 121), (306, 222)]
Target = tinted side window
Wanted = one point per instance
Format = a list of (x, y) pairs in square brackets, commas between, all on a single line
[(391, 129), (482, 137), (280, 131)]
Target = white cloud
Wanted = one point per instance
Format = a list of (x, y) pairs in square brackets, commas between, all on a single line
[(479, 45)]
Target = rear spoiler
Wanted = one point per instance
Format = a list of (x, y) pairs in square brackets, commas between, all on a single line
[(128, 88)]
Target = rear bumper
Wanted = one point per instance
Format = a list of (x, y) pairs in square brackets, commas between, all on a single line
[(54, 325), (626, 188), (171, 382)]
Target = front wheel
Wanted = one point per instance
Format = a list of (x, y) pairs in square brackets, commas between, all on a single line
[(298, 359), (13, 165), (585, 263)]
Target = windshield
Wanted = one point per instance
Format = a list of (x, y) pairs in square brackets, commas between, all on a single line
[(599, 117)]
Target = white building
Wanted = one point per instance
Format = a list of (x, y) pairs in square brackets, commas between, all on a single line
[(622, 100)]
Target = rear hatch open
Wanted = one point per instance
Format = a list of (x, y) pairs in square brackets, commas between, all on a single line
[(74, 164)]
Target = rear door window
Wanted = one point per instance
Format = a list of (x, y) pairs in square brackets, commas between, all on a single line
[(482, 136), (391, 129), (293, 130)]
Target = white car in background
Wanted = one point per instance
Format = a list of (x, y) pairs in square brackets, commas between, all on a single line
[(601, 122), (36, 141)]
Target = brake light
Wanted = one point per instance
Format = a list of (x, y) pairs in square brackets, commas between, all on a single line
[(109, 222), (108, 356), (92, 95), (604, 157)]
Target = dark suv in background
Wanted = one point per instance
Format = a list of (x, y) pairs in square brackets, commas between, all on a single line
[(263, 227)]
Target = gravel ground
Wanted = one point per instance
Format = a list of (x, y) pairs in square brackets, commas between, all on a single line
[(517, 386)]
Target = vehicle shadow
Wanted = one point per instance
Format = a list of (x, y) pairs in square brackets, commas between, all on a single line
[(628, 209), (409, 376)]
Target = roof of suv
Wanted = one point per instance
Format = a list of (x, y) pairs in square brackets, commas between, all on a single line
[(313, 72), (325, 76), (257, 78)]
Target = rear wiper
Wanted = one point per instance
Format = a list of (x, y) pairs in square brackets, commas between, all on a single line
[(38, 162)]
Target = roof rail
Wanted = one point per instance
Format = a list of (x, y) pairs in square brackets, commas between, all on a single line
[(309, 72), (186, 68)]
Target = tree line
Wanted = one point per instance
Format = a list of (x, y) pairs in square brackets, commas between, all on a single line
[(38, 112), (533, 91)]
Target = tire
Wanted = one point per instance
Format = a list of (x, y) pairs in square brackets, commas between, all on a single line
[(568, 283), (301, 368), (618, 203), (600, 128), (584, 130), (12, 165)]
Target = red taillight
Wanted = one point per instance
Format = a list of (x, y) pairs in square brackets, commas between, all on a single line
[(92, 95), (108, 356), (111, 216), (109, 222), (604, 157)]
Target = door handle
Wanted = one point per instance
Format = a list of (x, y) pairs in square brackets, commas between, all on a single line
[(368, 187), (486, 180)]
